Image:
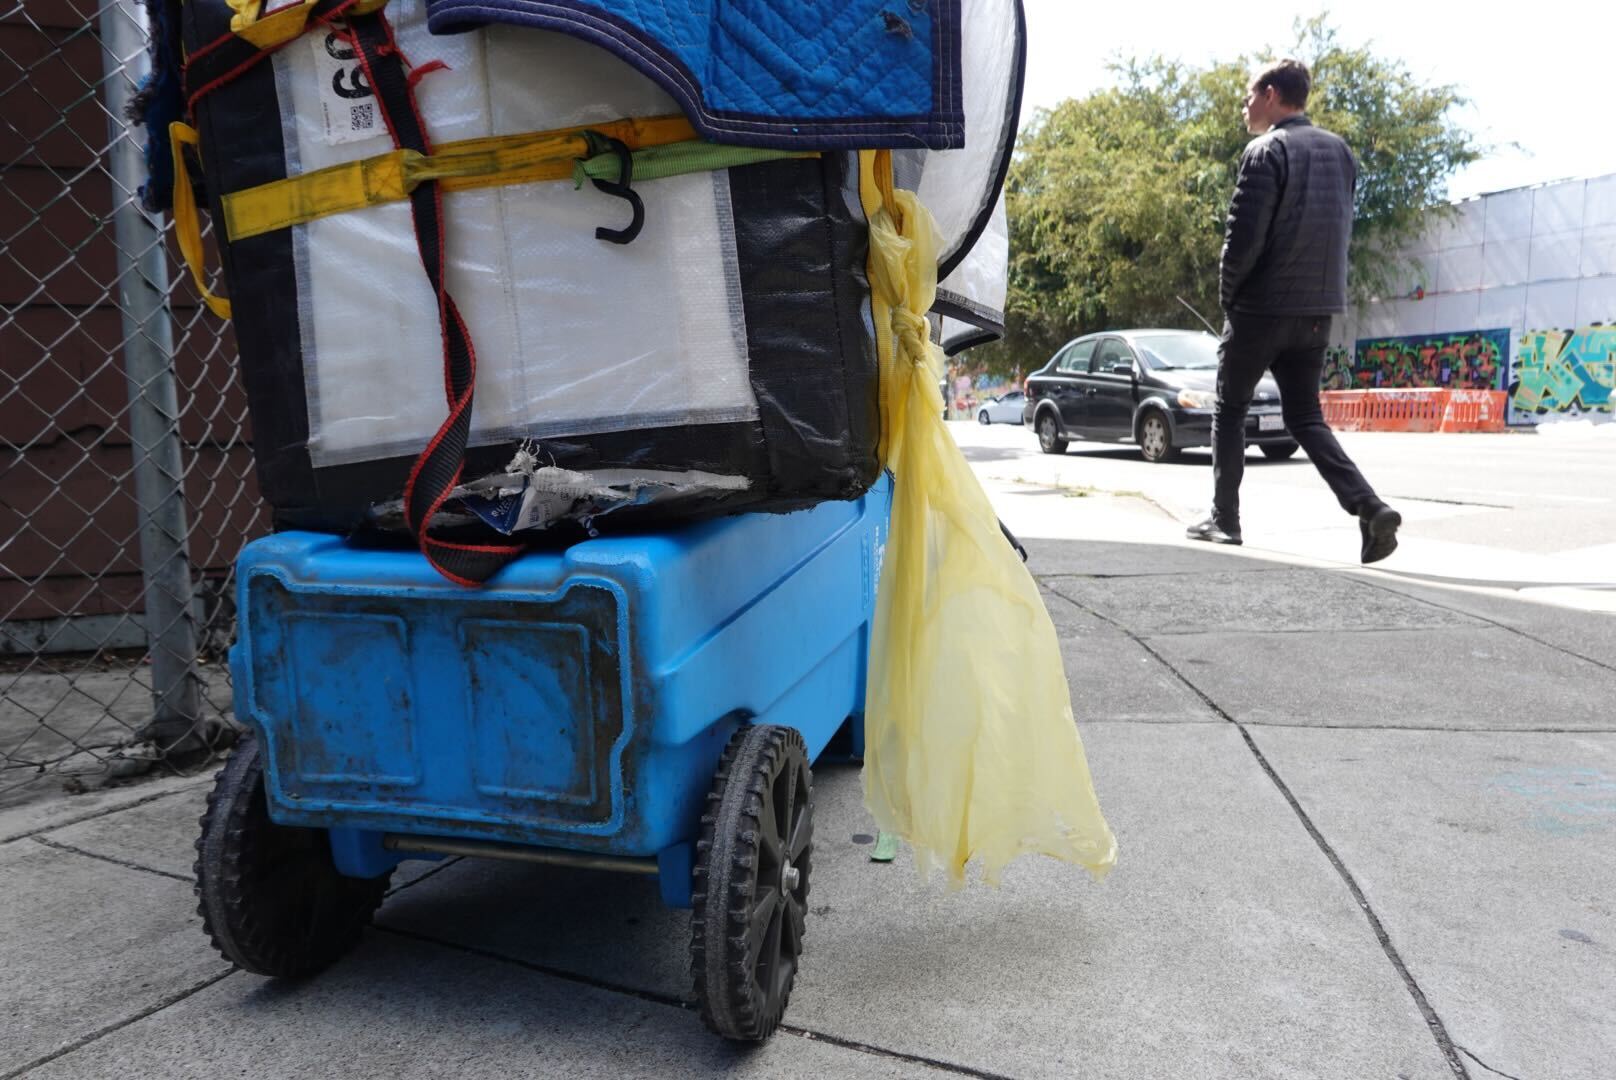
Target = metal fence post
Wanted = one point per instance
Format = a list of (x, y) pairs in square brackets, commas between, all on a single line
[(153, 399)]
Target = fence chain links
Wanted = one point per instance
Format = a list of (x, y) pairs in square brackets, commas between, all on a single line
[(126, 477)]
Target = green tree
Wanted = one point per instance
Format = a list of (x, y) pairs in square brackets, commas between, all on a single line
[(1117, 200)]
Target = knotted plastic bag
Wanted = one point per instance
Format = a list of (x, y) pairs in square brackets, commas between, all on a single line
[(971, 750)]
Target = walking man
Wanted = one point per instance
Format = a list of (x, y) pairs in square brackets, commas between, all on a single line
[(1284, 276)]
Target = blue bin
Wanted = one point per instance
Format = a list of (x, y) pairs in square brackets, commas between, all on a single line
[(580, 701)]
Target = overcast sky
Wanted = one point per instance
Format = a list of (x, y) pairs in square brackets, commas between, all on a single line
[(1541, 76)]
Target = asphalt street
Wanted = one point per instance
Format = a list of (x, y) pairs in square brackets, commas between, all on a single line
[(1531, 515)]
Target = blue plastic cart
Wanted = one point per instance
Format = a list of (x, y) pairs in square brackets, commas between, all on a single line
[(649, 704)]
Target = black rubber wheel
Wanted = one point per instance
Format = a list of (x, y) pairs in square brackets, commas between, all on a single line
[(1156, 438), (751, 890), (1049, 440), (983, 419), (1280, 451), (271, 899)]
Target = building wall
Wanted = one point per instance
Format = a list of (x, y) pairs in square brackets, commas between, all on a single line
[(68, 519), (1532, 271)]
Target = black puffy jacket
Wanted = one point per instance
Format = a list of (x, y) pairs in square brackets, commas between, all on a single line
[(1285, 248)]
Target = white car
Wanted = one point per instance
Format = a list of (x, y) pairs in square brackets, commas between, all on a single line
[(1003, 410)]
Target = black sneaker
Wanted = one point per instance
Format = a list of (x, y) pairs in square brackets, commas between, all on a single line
[(1213, 533), (1378, 524)]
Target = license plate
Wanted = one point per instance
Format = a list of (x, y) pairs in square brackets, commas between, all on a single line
[(1270, 423)]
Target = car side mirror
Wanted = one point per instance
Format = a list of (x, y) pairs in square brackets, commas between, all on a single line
[(1122, 369)]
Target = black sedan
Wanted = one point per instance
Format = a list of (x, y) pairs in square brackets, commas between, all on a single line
[(1151, 387)]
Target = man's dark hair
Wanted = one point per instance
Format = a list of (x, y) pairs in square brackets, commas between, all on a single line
[(1290, 80)]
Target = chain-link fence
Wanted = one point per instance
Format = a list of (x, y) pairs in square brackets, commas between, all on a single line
[(126, 483)]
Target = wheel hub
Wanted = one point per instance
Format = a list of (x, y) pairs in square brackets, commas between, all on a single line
[(790, 877)]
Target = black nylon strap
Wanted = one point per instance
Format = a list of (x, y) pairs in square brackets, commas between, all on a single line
[(230, 55), (437, 471)]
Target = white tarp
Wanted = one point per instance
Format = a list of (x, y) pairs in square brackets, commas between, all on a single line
[(962, 186), (973, 296), (572, 334)]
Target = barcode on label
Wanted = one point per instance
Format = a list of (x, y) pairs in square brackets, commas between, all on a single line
[(362, 117)]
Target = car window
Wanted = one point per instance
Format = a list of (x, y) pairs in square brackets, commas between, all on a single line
[(1111, 352), (1014, 395), (1179, 351), (1076, 357)]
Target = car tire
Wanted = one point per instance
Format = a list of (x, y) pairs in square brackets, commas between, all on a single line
[(1280, 451), (983, 418), (1049, 438), (1156, 438)]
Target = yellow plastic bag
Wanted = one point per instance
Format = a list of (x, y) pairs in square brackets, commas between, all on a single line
[(971, 750)]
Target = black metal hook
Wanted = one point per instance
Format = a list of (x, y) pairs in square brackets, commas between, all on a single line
[(621, 189)]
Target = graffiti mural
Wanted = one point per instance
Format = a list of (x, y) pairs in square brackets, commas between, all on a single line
[(1337, 369), (1565, 371), (1471, 360)]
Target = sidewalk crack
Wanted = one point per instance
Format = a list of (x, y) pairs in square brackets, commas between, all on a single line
[(1434, 1022), (682, 1004), (438, 869), (1484, 1065)]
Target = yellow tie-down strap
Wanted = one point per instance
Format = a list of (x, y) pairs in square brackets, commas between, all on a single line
[(187, 227), (284, 21), (457, 166)]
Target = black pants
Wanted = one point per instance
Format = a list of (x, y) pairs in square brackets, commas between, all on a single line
[(1293, 348)]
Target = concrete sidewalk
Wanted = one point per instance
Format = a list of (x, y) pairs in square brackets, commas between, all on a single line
[(1368, 829)]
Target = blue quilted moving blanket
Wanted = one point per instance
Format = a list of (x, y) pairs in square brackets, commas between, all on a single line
[(792, 74)]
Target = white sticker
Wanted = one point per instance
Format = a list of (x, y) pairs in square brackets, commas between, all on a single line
[(347, 102)]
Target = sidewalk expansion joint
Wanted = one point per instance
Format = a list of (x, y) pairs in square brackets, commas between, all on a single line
[(1299, 631), (543, 969), (1438, 1029), (892, 1055), (100, 1033), (1434, 1022), (680, 1003), (115, 861), (1433, 727), (107, 812), (1517, 631), (1489, 1068), (1056, 574)]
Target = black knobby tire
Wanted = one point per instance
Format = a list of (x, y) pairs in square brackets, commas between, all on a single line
[(1280, 451), (749, 907), (1049, 440), (270, 898)]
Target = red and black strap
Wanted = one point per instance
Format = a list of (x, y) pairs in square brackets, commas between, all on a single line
[(437, 471), (229, 56)]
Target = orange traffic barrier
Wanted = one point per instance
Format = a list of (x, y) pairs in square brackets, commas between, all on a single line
[(1422, 409), (1474, 410)]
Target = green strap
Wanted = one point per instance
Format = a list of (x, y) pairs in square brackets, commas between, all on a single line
[(678, 159)]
